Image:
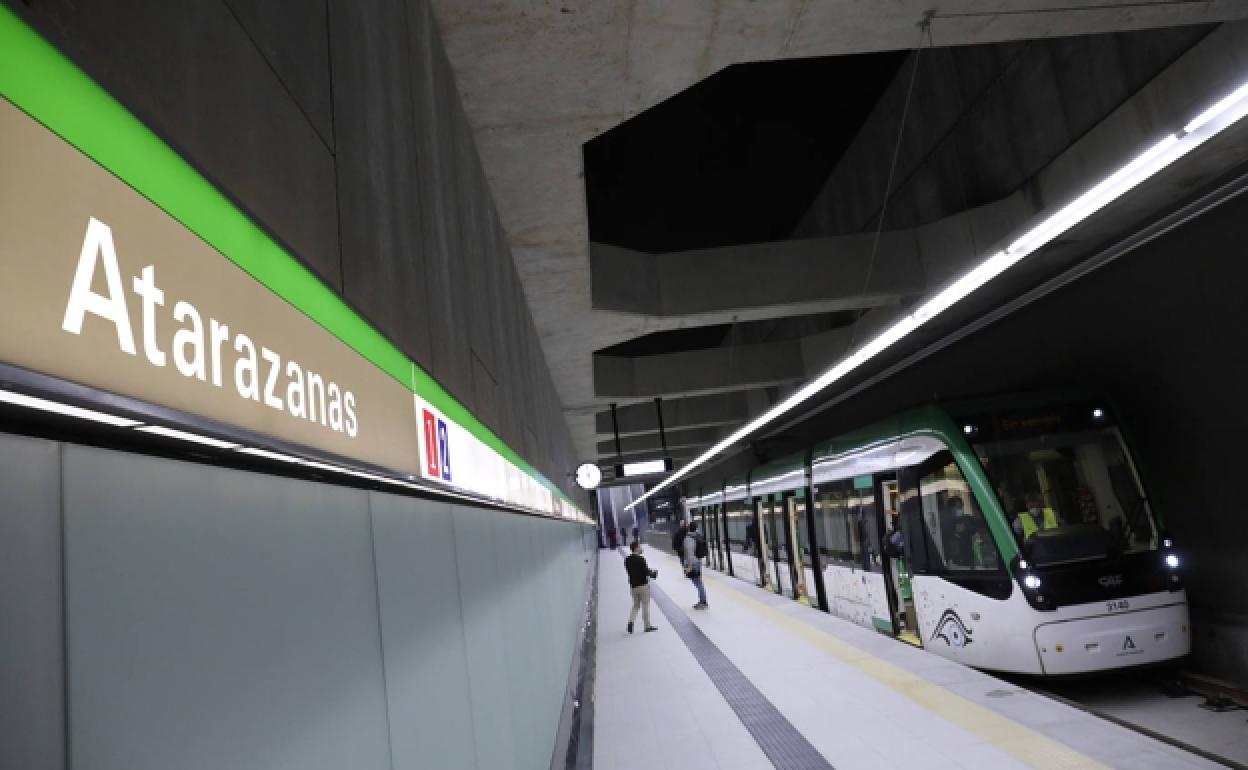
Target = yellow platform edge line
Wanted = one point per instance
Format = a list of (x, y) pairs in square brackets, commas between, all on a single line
[(1004, 734)]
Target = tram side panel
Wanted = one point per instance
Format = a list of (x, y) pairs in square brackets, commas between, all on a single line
[(974, 629)]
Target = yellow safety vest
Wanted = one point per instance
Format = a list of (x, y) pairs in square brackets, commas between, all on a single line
[(1029, 522)]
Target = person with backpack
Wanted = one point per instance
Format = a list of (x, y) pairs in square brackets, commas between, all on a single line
[(678, 540), (693, 553)]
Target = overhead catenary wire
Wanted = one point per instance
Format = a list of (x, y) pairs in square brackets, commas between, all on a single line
[(925, 31)]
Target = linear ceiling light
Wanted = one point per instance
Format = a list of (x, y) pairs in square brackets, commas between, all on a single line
[(42, 404), (185, 436), (1206, 125), (266, 454)]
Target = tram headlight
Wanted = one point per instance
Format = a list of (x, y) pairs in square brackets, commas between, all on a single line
[(1032, 582), (1172, 560)]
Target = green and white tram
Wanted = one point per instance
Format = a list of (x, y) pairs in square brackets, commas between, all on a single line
[(1010, 535)]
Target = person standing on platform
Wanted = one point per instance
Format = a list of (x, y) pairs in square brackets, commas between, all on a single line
[(639, 575), (678, 540), (694, 552)]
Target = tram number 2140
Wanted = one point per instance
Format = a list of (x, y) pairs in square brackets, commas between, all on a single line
[(1118, 606)]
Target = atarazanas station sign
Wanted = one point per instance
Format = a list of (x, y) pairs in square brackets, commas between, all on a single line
[(102, 287)]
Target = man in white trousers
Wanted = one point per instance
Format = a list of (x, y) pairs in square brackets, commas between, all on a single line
[(639, 574)]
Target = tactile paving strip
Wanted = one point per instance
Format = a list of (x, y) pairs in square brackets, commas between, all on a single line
[(787, 748)]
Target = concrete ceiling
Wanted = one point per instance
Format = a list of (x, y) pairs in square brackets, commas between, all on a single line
[(539, 79)]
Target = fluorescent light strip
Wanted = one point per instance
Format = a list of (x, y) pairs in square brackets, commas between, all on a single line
[(184, 436), (322, 466), (44, 405), (266, 454), (1110, 189), (1236, 96), (1205, 126), (56, 407)]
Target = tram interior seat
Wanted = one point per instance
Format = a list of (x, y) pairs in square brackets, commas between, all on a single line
[(1072, 542)]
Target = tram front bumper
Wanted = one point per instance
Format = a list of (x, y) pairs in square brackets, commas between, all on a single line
[(1117, 640)]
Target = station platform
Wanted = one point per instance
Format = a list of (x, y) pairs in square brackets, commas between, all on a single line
[(761, 681)]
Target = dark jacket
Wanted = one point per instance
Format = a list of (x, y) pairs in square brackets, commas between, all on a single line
[(678, 539), (638, 571)]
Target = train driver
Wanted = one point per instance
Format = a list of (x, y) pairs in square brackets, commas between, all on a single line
[(1036, 517)]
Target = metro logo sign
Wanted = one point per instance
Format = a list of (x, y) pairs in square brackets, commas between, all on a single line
[(476, 468), (437, 447), (444, 444)]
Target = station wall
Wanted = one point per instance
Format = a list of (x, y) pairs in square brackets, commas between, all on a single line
[(338, 128), (165, 614)]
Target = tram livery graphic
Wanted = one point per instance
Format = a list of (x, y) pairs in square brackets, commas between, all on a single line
[(1011, 534), (952, 630)]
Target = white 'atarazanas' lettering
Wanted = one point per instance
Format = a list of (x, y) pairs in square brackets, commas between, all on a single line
[(308, 395)]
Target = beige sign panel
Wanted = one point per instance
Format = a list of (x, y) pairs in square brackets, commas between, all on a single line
[(100, 287)]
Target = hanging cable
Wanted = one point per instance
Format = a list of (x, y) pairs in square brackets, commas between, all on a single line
[(925, 31)]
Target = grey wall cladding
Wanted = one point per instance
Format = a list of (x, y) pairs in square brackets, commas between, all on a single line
[(31, 660), (427, 667), (337, 126), (217, 618)]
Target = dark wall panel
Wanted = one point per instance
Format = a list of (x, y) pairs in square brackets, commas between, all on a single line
[(192, 73), (383, 268), (296, 46)]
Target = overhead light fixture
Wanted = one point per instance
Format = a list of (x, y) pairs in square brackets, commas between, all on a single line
[(1237, 98), (266, 454), (56, 407), (1206, 125), (322, 466), (182, 435)]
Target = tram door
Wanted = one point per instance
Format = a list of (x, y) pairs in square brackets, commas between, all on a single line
[(764, 542), (778, 550), (896, 573), (713, 537), (795, 523)]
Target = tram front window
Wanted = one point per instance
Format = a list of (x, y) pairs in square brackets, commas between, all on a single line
[(1071, 485), (958, 538)]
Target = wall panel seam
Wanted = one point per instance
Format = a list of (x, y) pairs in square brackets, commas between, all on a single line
[(381, 634)]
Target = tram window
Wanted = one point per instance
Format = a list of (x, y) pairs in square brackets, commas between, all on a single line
[(833, 523), (862, 508), (958, 538), (1054, 481), (855, 539), (736, 527)]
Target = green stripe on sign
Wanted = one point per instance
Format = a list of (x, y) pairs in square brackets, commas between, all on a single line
[(44, 84)]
